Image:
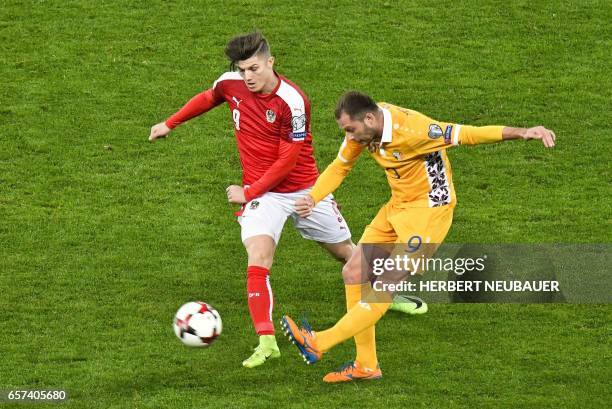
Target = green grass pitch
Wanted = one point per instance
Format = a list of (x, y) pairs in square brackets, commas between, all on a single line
[(103, 235)]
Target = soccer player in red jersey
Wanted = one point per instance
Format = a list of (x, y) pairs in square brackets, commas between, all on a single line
[(271, 117)]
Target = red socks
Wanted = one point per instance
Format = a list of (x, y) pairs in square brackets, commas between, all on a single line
[(260, 298)]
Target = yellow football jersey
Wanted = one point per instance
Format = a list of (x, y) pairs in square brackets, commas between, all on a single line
[(412, 151)]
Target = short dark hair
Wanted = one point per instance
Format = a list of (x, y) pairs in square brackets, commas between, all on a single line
[(355, 104), (245, 46)]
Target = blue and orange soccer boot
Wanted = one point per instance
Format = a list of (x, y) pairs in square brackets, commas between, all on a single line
[(353, 372), (303, 338)]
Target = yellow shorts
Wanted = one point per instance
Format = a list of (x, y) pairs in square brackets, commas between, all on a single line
[(395, 224)]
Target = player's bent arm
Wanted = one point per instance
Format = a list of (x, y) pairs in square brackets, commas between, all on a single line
[(288, 154), (330, 179), (335, 173), (327, 182)]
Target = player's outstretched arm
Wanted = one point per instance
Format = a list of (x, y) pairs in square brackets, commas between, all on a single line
[(476, 135), (327, 183), (199, 104), (159, 130), (547, 136), (331, 178)]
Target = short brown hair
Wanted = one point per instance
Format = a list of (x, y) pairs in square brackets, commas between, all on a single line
[(355, 104), (245, 46)]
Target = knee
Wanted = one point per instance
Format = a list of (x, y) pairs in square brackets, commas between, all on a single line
[(260, 257), (260, 251)]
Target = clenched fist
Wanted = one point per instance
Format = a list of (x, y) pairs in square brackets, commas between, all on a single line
[(304, 205), (159, 131), (235, 194)]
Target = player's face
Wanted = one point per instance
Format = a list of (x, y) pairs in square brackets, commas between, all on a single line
[(257, 73), (361, 131)]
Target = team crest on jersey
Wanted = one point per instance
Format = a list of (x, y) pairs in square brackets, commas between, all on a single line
[(270, 116), (397, 155), (435, 131), (254, 205)]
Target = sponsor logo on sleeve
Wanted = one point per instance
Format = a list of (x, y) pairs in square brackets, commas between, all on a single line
[(298, 136), (447, 134), (298, 125), (435, 131)]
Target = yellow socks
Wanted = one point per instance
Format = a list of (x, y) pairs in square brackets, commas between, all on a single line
[(353, 293), (358, 322), (365, 341)]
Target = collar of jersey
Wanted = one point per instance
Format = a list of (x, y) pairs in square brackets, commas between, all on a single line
[(387, 134)]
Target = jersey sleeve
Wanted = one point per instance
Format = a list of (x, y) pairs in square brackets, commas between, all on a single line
[(334, 174), (199, 104), (295, 121), (432, 135), (219, 86), (293, 127)]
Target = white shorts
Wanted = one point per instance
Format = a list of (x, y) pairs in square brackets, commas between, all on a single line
[(267, 215)]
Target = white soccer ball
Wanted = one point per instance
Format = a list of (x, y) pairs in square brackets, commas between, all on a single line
[(197, 324)]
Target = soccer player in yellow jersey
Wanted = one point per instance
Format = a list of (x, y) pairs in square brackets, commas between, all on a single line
[(411, 147)]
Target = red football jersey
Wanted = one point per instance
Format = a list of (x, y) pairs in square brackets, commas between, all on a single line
[(267, 127)]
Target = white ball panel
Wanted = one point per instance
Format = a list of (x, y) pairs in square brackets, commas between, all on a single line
[(204, 324), (188, 309), (192, 341)]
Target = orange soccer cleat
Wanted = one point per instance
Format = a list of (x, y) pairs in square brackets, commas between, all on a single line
[(303, 338), (352, 372)]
